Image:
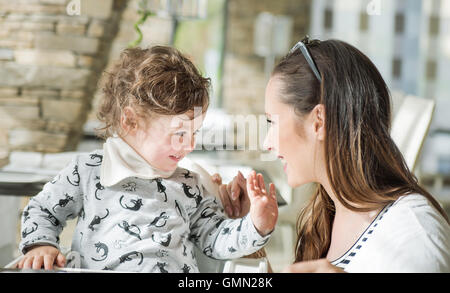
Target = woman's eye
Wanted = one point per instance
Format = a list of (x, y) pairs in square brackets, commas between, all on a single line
[(269, 121)]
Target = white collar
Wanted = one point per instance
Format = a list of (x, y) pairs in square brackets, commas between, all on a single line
[(121, 161)]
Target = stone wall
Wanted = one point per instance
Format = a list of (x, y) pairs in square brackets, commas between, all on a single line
[(50, 62)]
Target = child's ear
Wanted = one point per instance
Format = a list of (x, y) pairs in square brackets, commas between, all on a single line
[(128, 120)]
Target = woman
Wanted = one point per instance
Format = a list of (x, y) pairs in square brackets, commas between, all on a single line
[(333, 113)]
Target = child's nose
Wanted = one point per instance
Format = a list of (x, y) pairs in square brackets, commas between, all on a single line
[(189, 144)]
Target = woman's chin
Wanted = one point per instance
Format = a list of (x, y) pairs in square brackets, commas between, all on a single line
[(295, 181), (292, 183)]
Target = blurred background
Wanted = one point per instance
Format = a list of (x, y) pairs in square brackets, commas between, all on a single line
[(53, 54)]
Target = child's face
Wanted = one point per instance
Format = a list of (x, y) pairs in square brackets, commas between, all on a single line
[(165, 140)]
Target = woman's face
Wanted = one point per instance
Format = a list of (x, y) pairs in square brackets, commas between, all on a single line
[(296, 141)]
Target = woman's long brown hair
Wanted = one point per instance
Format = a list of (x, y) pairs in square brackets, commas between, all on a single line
[(365, 168)]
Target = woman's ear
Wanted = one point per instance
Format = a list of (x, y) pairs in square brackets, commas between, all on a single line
[(318, 115), (128, 120)]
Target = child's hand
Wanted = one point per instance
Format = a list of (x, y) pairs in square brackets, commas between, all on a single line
[(263, 204), (38, 256), (216, 178)]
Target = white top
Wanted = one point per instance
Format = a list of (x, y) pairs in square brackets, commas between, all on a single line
[(409, 235)]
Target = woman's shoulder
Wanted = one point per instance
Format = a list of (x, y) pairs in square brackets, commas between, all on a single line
[(416, 209), (412, 222), (416, 214), (411, 236)]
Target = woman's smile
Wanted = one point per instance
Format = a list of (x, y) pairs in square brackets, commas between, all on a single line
[(283, 161)]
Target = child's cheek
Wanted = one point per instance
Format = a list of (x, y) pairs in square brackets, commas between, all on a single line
[(171, 144)]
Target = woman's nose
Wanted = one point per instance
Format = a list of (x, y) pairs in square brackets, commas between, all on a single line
[(267, 145)]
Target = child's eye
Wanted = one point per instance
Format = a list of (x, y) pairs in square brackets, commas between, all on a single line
[(181, 133)]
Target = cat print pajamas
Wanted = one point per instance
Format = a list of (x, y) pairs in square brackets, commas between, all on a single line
[(140, 225)]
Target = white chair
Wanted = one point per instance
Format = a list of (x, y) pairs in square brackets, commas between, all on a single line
[(410, 127), (9, 213)]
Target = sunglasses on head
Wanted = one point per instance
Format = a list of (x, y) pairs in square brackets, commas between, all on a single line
[(302, 46)]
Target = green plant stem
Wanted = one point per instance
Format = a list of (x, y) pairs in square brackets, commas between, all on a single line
[(144, 16)]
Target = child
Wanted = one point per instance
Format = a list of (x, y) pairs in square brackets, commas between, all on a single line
[(138, 211)]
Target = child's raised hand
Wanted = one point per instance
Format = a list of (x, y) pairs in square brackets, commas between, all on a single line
[(42, 256), (263, 204)]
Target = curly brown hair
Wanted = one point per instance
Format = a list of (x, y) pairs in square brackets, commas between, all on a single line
[(158, 80)]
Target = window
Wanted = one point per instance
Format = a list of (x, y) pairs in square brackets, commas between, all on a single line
[(363, 21), (397, 68), (328, 18), (431, 70), (399, 23), (434, 25)]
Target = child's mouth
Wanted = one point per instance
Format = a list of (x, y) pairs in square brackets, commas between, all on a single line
[(176, 158)]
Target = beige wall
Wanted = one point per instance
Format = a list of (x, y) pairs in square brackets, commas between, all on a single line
[(244, 79)]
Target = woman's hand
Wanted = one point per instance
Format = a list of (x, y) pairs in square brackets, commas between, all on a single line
[(313, 266), (263, 204), (234, 196), (38, 256)]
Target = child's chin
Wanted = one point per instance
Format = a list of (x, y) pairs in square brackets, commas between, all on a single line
[(170, 167)]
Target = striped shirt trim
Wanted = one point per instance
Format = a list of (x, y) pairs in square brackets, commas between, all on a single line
[(347, 257)]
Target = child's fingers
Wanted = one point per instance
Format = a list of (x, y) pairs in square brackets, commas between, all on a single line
[(216, 179), (60, 260), (48, 262), (250, 184), (272, 191), (37, 262), (28, 263), (256, 186), (19, 265), (261, 183)]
